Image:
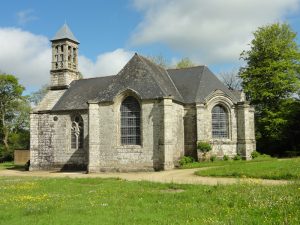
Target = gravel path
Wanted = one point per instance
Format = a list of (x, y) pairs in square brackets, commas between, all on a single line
[(183, 176)]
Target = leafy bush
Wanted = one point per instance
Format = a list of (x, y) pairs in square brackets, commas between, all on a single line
[(6, 155), (213, 158), (225, 157), (255, 154), (237, 157), (185, 160), (204, 146)]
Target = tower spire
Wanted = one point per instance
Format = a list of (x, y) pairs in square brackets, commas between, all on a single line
[(65, 33), (64, 58)]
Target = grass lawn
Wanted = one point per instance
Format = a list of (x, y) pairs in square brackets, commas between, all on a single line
[(224, 163), (11, 165), (112, 201), (288, 169)]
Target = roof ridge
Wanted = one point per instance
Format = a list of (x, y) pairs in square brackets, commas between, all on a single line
[(89, 78), (199, 85), (191, 67), (164, 70), (143, 60)]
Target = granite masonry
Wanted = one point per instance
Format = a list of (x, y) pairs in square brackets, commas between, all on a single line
[(144, 118)]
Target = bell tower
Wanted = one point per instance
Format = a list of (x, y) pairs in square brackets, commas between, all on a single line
[(64, 67)]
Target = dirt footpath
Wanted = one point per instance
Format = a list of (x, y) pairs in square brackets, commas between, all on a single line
[(180, 176)]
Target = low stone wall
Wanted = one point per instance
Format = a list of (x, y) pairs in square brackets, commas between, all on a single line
[(21, 156)]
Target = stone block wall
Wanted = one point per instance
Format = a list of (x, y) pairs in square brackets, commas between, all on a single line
[(106, 151), (50, 142), (63, 77), (190, 131), (178, 132), (241, 138), (246, 130), (168, 131), (162, 138)]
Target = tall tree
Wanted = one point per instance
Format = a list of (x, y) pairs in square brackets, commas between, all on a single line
[(270, 81), (184, 63), (10, 99), (273, 65)]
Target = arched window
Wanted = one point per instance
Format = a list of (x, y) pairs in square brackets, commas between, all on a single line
[(77, 132), (130, 122), (219, 122)]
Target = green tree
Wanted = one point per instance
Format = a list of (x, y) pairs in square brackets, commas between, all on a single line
[(13, 116), (270, 81), (184, 63), (273, 65)]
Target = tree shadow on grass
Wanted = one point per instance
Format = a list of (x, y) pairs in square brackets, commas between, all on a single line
[(17, 167), (12, 166)]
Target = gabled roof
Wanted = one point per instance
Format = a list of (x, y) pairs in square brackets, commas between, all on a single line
[(65, 33), (81, 91), (149, 80), (196, 83)]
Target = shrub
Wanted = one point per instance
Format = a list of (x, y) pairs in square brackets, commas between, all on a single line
[(265, 156), (6, 155), (203, 146), (237, 157), (213, 158), (225, 157), (185, 160), (255, 154)]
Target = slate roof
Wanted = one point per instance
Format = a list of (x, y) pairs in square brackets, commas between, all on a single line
[(81, 91), (65, 33), (196, 83), (149, 81)]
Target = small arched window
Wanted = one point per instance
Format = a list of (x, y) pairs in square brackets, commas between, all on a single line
[(219, 122), (77, 132), (130, 122)]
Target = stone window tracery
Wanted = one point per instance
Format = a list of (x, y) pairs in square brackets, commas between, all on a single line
[(219, 122), (77, 132), (130, 122)]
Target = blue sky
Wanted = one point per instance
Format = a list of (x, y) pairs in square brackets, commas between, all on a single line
[(210, 32)]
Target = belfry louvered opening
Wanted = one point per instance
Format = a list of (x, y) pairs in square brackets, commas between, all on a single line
[(130, 122), (219, 122)]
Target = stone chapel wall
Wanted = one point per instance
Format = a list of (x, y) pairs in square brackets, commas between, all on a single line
[(178, 132), (110, 155), (50, 142), (190, 131)]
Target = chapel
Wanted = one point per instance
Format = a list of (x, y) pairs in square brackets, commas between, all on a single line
[(144, 118)]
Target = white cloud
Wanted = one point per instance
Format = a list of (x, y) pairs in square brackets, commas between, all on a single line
[(25, 16), (25, 55), (28, 57), (212, 31), (109, 63)]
